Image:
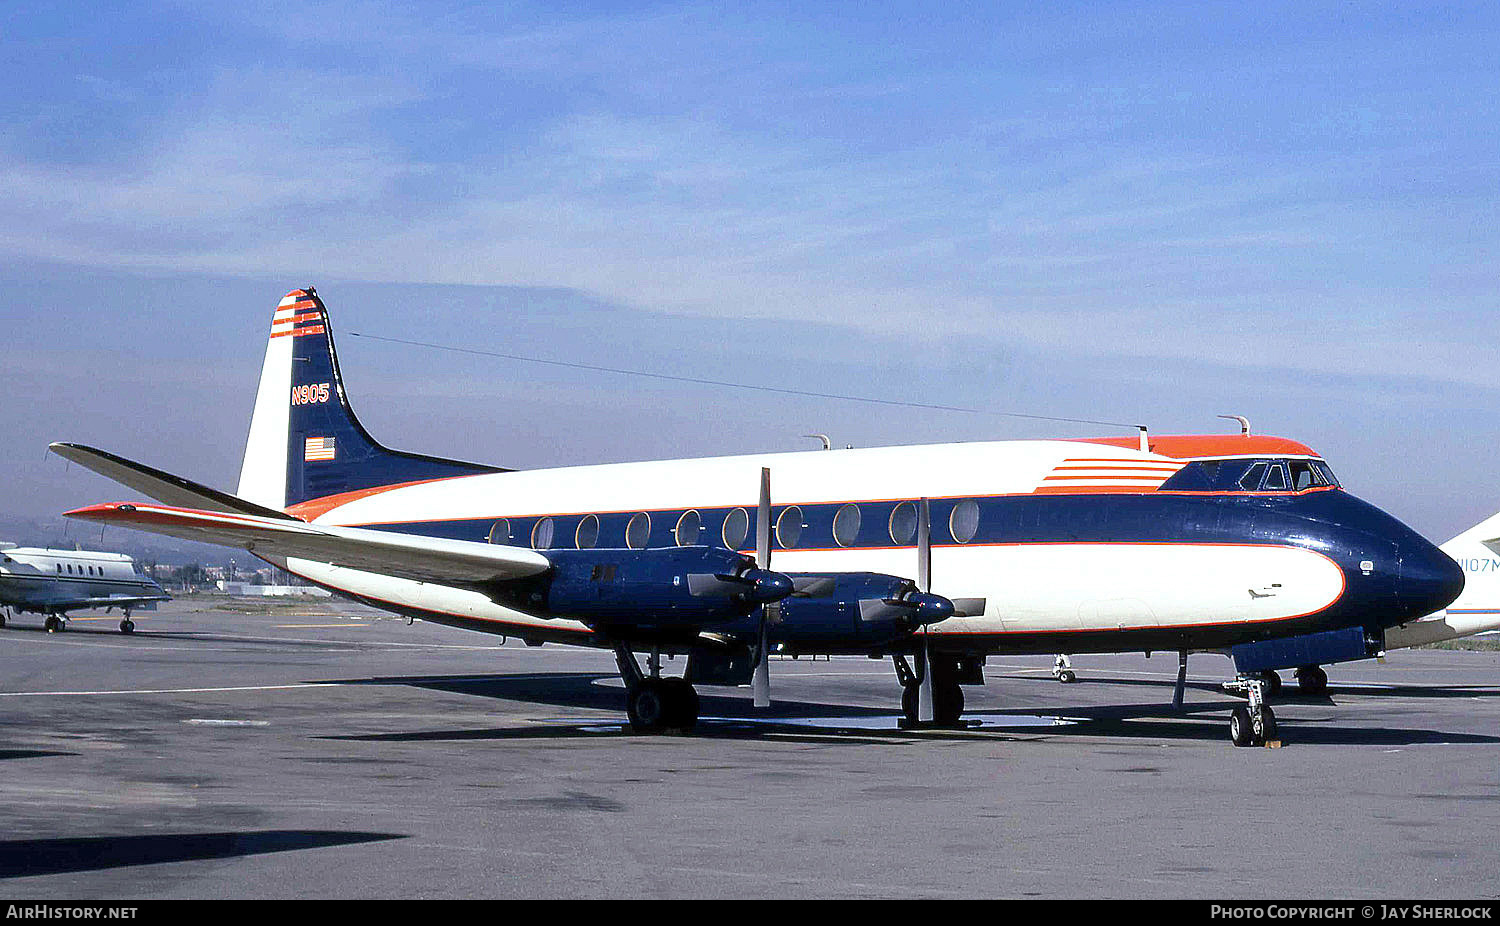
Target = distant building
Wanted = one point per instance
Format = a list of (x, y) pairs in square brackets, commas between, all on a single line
[(250, 590)]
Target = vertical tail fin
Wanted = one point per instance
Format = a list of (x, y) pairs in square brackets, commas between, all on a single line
[(305, 442)]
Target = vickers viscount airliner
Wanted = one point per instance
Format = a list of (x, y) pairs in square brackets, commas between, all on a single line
[(933, 556)]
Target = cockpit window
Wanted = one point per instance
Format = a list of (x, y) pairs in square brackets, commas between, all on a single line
[(1304, 476), (1326, 472), (1250, 482), (1276, 479)]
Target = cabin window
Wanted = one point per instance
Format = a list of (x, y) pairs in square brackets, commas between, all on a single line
[(963, 524), (846, 525), (59, 567), (688, 528), (587, 535), (500, 531), (789, 527), (903, 524), (1276, 479), (541, 535), (638, 531), (736, 528)]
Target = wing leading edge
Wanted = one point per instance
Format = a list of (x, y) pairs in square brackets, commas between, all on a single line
[(425, 559)]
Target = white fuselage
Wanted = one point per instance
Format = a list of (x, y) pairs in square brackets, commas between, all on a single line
[(1027, 587)]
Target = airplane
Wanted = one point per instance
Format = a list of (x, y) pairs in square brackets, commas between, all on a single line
[(935, 556), (54, 582), (1475, 611)]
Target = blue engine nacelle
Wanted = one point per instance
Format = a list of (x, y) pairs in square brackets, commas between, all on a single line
[(667, 589), (854, 608)]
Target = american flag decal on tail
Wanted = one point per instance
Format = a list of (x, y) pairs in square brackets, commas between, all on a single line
[(318, 448)]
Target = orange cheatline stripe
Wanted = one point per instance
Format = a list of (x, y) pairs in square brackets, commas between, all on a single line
[(1103, 477)]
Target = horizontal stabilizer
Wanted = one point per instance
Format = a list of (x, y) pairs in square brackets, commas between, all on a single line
[(162, 486), (1493, 545), (425, 559)]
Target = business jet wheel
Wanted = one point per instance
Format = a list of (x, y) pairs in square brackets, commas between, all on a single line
[(127, 626), (1241, 732), (52, 623), (1312, 680), (1067, 677), (647, 706), (682, 703), (2, 619)]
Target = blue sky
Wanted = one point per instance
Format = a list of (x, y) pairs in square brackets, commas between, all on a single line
[(1134, 211)]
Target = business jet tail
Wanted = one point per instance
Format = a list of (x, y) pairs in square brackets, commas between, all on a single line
[(1478, 608)]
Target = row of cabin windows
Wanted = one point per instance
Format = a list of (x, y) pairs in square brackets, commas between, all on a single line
[(786, 531), (80, 569)]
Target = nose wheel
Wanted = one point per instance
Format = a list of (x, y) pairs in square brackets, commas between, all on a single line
[(1252, 724)]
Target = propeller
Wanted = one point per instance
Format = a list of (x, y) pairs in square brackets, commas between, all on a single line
[(926, 710), (760, 685)]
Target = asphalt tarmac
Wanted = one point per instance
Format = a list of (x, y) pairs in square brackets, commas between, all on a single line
[(313, 751)]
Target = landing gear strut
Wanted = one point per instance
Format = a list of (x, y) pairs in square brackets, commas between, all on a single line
[(1253, 724), (947, 695), (653, 703)]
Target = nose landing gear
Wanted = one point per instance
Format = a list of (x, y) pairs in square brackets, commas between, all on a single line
[(1253, 724)]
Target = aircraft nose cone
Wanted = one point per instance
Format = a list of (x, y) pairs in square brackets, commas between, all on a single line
[(1430, 579)]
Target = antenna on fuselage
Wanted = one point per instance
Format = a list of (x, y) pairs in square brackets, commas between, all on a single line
[(827, 444), (1244, 422)]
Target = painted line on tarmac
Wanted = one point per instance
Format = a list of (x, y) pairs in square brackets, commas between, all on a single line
[(153, 691)]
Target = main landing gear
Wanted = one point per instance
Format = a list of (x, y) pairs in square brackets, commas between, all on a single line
[(1253, 724), (127, 625), (55, 623), (655, 704), (947, 696), (1312, 680), (1062, 669)]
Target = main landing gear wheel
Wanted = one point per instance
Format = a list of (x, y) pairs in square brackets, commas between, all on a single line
[(682, 703), (1273, 681), (127, 626), (1240, 732), (646, 704), (947, 702), (1312, 680), (2, 619), (53, 623)]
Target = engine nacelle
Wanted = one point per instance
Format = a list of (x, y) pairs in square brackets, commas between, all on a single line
[(672, 588), (854, 608)]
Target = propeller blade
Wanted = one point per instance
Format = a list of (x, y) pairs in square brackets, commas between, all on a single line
[(926, 708), (760, 685)]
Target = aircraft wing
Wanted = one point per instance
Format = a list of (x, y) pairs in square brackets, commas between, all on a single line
[(112, 601), (1492, 545), (162, 486), (426, 559)]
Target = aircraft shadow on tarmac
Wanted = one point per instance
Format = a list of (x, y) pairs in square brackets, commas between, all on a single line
[(21, 858), (735, 717)]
